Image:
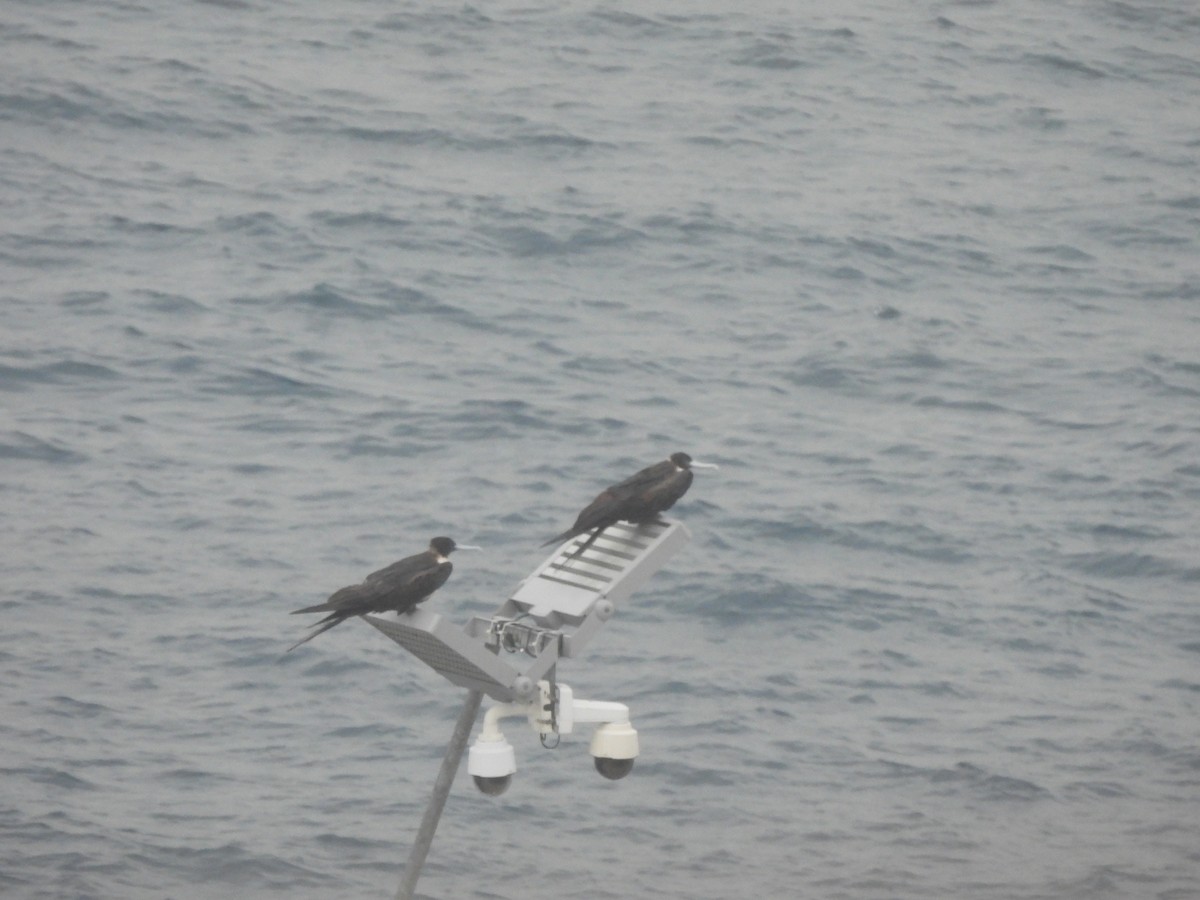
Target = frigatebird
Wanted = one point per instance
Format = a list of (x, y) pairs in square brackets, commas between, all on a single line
[(639, 499), (400, 587)]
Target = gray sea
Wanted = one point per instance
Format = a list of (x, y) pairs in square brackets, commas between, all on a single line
[(287, 288)]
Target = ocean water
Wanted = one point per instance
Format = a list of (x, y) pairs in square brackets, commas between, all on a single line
[(286, 288)]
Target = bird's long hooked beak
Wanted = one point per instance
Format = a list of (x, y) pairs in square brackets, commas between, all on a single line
[(466, 547), (700, 465)]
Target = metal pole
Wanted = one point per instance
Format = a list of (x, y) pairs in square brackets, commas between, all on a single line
[(441, 790)]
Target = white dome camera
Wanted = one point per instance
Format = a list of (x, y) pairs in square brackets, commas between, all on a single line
[(553, 710), (614, 746), (492, 764)]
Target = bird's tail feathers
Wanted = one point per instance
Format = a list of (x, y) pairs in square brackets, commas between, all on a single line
[(578, 551), (320, 607), (566, 535), (321, 627)]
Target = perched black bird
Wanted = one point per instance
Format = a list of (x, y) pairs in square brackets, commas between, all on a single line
[(639, 499), (400, 587)]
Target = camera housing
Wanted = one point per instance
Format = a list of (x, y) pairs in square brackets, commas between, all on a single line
[(614, 746), (491, 763), (553, 709), (613, 769), (493, 787)]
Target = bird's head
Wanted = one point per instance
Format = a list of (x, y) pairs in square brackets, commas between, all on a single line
[(444, 546), (683, 461)]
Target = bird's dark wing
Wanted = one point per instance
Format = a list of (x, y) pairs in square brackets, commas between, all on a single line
[(639, 480), (420, 586), (600, 513), (406, 583), (633, 499), (661, 496), (400, 571), (399, 586), (338, 600), (645, 496)]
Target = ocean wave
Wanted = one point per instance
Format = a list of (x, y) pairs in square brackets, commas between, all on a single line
[(1132, 565), (971, 780), (18, 445), (61, 372)]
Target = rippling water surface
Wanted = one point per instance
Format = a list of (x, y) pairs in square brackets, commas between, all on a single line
[(289, 288)]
